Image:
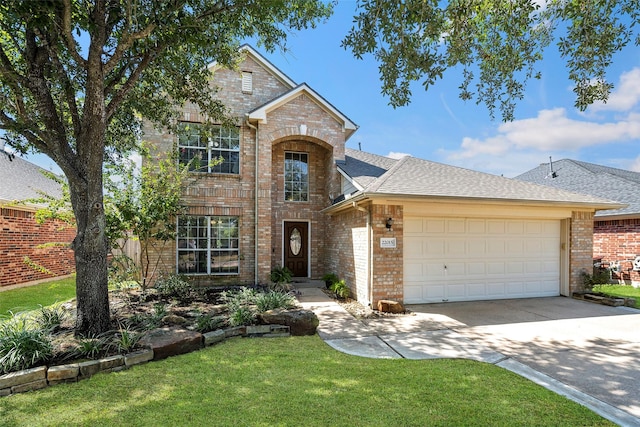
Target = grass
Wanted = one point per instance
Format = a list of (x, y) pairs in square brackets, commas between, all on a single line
[(619, 291), (32, 297), (297, 381)]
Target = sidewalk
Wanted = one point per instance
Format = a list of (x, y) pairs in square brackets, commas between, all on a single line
[(427, 336)]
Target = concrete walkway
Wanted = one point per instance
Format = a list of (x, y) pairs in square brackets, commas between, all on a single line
[(425, 335)]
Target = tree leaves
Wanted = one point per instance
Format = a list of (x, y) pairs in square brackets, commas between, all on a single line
[(495, 44)]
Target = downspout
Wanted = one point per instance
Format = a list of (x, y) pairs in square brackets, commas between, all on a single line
[(256, 216), (370, 246)]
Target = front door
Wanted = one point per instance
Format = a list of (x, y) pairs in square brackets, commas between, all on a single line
[(296, 253)]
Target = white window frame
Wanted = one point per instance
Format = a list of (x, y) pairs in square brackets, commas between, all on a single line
[(211, 147), (206, 238), (291, 194)]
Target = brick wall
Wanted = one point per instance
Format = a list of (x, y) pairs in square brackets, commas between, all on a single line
[(300, 125), (346, 252), (618, 240), (581, 250), (300, 211), (20, 236), (388, 265)]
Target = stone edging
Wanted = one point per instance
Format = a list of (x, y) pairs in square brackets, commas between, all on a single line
[(44, 376), (605, 300)]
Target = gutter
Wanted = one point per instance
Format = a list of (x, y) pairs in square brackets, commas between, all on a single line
[(596, 206), (256, 216)]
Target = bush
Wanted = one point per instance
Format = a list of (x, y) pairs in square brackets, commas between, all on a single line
[(274, 299), (91, 348), (50, 318), (22, 346), (207, 323), (341, 289), (242, 297), (126, 340), (329, 279), (281, 275), (242, 316), (599, 277), (174, 286)]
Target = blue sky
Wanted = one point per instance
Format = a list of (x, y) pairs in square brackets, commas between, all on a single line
[(438, 126)]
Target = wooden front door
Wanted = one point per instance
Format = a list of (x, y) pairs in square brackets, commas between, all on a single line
[(296, 252)]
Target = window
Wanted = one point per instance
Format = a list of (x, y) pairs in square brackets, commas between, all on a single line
[(208, 245), (247, 82), (296, 177), (216, 149)]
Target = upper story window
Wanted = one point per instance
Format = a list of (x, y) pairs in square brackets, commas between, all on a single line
[(296, 177), (247, 82), (216, 148)]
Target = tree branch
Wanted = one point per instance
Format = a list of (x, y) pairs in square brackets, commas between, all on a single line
[(67, 36), (120, 95)]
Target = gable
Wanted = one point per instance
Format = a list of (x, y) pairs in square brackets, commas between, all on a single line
[(304, 93)]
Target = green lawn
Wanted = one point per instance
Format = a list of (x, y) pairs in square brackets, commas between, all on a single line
[(294, 382), (30, 297), (619, 291)]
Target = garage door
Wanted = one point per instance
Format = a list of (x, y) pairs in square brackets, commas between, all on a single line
[(466, 259)]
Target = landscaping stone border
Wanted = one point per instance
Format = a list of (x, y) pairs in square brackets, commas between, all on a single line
[(604, 299), (44, 376)]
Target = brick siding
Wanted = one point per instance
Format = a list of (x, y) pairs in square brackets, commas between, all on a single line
[(581, 249), (301, 126), (21, 236)]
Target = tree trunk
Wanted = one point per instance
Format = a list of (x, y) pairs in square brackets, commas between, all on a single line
[(91, 248)]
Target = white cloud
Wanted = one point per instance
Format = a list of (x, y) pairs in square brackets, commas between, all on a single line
[(635, 165), (551, 130), (625, 95), (396, 155)]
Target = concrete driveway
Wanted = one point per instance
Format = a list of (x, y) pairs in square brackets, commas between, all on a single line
[(592, 348)]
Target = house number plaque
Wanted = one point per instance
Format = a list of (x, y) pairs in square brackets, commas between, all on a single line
[(388, 242)]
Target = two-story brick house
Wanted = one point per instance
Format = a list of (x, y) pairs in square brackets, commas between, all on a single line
[(289, 193)]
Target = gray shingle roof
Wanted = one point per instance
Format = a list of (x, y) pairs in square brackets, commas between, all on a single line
[(411, 176), (602, 181), (21, 180)]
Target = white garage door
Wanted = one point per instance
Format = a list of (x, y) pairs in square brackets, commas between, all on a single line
[(466, 259)]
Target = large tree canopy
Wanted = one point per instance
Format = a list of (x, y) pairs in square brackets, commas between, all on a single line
[(496, 44), (77, 75)]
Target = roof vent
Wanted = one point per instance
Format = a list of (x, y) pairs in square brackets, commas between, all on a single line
[(552, 173)]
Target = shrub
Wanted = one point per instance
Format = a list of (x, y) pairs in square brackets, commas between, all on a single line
[(208, 322), (238, 298), (329, 279), (274, 299), (341, 289), (242, 316), (599, 277), (281, 275), (22, 346), (91, 348), (174, 286), (126, 340), (50, 318)]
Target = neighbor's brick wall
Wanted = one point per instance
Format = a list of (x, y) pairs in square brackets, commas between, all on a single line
[(20, 236), (346, 252), (581, 249), (618, 240), (387, 263)]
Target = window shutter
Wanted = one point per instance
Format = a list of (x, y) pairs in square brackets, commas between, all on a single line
[(247, 82)]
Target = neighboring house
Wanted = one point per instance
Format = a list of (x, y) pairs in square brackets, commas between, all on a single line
[(616, 232), (289, 193), (26, 250)]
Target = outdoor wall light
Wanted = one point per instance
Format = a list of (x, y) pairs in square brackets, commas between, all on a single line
[(389, 223)]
